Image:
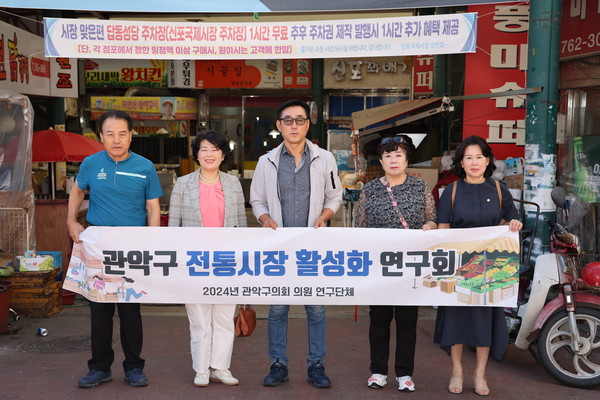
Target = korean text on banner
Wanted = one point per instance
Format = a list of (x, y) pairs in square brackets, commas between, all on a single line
[(477, 266), (375, 37)]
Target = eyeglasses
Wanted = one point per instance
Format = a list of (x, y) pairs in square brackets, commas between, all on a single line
[(290, 121), (390, 139)]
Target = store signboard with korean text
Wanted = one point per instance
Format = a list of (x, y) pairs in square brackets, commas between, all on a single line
[(146, 108), (174, 128), (423, 75), (499, 65), (24, 69), (240, 74), (367, 73), (125, 73), (579, 28), (370, 37)]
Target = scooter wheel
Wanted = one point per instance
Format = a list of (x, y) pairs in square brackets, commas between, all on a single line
[(581, 369)]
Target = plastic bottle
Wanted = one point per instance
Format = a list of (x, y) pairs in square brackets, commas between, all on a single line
[(583, 189)]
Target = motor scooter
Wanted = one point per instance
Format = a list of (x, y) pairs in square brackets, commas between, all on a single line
[(559, 321)]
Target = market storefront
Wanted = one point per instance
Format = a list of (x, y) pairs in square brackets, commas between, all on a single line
[(578, 134), (239, 98), (229, 95)]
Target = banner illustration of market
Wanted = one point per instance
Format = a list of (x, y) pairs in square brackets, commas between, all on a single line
[(296, 266)]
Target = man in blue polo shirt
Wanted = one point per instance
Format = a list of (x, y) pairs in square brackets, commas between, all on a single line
[(124, 191)]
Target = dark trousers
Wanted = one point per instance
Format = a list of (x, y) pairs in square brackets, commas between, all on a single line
[(406, 338), (102, 331)]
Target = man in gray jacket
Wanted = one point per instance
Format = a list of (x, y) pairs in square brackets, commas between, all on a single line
[(296, 185)]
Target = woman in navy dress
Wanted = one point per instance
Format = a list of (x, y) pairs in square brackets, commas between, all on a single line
[(476, 204)]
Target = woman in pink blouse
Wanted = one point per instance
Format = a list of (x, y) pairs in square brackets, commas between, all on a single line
[(209, 198)]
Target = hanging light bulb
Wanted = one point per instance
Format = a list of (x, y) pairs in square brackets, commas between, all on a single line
[(274, 133)]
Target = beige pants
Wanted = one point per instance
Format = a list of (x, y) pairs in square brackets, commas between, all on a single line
[(211, 335)]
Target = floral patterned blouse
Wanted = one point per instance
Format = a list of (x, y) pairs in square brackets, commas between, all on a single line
[(414, 199)]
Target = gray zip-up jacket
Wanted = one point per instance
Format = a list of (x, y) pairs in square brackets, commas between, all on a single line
[(325, 185)]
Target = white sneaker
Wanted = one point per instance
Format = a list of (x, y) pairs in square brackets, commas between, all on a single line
[(223, 376), (202, 379), (405, 384), (377, 381)]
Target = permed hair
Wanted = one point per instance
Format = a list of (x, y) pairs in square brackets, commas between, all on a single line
[(394, 143)]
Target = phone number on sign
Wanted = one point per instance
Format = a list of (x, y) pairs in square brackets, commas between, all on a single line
[(578, 43)]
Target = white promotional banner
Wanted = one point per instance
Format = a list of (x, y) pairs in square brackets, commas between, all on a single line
[(375, 37), (236, 6), (478, 266), (24, 69)]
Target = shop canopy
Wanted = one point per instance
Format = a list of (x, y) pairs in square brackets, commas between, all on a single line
[(235, 6), (419, 108), (377, 119)]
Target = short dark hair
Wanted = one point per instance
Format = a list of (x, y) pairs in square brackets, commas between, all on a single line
[(215, 138), (460, 154), (393, 143), (115, 114), (293, 103)]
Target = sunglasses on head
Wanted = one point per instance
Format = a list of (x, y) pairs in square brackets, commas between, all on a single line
[(396, 139)]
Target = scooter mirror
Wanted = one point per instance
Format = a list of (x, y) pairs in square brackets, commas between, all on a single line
[(559, 196)]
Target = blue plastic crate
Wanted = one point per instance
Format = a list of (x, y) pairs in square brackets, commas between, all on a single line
[(57, 261)]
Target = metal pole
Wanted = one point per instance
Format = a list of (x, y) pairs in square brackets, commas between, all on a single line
[(542, 108), (318, 69), (440, 65), (440, 89), (51, 166)]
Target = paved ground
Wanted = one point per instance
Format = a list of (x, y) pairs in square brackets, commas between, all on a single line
[(33, 367)]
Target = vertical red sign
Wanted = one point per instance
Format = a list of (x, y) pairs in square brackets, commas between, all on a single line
[(423, 76), (64, 78), (499, 65)]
